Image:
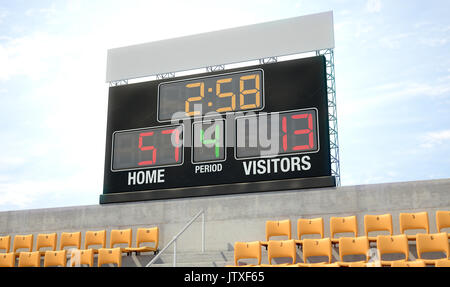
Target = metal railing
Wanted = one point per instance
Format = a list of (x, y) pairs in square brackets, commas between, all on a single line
[(174, 240)]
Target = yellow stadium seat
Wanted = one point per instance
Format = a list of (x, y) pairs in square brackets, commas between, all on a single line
[(357, 264), (308, 227), (5, 243), (70, 239), (342, 225), (382, 222), (121, 237), (442, 263), (95, 238), (247, 250), (418, 220), (443, 221), (316, 247), (55, 258), (110, 256), (82, 257), (45, 241), (7, 260), (22, 241), (415, 263), (146, 235), (277, 228), (29, 259), (437, 242), (391, 244), (353, 246), (281, 248)]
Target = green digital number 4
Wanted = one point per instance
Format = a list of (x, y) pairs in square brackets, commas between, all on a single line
[(215, 141)]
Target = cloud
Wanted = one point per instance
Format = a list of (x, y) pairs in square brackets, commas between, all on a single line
[(433, 139), (373, 6)]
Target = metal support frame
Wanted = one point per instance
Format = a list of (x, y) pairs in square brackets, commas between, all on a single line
[(118, 83), (165, 76), (268, 60), (332, 113), (215, 68)]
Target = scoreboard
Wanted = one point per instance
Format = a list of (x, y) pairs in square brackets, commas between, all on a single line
[(250, 129)]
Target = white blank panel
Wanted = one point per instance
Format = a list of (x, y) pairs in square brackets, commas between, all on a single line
[(277, 38)]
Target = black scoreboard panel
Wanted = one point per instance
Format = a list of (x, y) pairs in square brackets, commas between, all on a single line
[(251, 129)]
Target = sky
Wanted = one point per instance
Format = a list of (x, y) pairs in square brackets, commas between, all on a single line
[(392, 69)]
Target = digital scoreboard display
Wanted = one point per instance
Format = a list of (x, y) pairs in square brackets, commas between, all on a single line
[(251, 129)]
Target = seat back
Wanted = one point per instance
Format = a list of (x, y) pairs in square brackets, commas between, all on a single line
[(389, 244), (309, 226), (29, 259), (95, 238), (354, 246), (7, 259), (145, 235), (23, 241), (437, 242), (442, 220), (247, 250), (281, 248), (343, 225), (278, 228), (120, 237), (46, 240), (109, 256), (70, 239), (82, 257), (317, 247), (382, 222), (418, 220), (5, 243), (55, 258), (415, 263)]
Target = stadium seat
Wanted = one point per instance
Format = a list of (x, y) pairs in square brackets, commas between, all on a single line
[(247, 250), (442, 263), (55, 258), (415, 263), (437, 242), (353, 246), (316, 247), (392, 244), (120, 237), (7, 260), (281, 248), (95, 238), (309, 227), (342, 225), (29, 259), (45, 241), (22, 241), (410, 221), (277, 228), (146, 235), (5, 243), (110, 256), (72, 239), (382, 222), (357, 264), (443, 221), (82, 257)]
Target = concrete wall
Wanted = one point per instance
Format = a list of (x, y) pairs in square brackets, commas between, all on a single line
[(237, 217)]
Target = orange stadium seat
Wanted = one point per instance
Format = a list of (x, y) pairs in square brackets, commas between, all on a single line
[(309, 227), (342, 225), (95, 238), (7, 260), (411, 221), (353, 246), (437, 242), (415, 263), (45, 241), (316, 247), (281, 248), (382, 222), (22, 241), (357, 264), (146, 235), (5, 243), (247, 250), (443, 220), (277, 228), (82, 257), (110, 256), (70, 239), (392, 244), (55, 258), (29, 259), (442, 263), (121, 237)]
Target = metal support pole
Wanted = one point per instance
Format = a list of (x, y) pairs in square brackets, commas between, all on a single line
[(175, 253)]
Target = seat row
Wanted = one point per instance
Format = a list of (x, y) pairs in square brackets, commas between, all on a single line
[(72, 240)]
